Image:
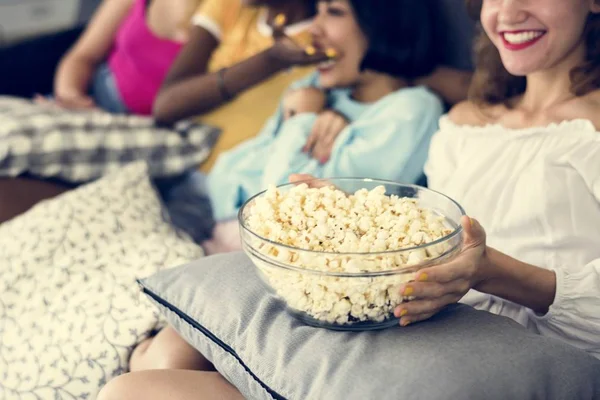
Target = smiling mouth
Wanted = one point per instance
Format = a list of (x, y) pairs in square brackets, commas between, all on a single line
[(326, 65), (521, 40)]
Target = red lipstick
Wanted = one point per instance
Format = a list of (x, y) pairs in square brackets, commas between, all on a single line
[(519, 46)]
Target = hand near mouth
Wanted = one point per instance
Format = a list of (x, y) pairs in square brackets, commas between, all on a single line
[(288, 52)]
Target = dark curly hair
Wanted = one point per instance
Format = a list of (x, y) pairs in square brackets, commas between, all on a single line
[(400, 36), (493, 84)]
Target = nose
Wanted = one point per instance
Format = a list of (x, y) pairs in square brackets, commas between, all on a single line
[(512, 12), (316, 27)]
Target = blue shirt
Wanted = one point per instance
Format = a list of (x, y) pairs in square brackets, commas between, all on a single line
[(388, 139)]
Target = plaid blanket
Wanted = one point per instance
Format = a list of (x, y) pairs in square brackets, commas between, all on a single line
[(81, 146)]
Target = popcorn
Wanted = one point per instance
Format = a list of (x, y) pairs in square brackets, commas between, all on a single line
[(343, 234)]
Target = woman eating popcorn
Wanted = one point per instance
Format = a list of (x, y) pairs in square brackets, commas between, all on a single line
[(523, 158), (377, 49)]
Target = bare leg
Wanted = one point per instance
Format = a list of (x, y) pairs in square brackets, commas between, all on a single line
[(225, 238), (171, 385), (167, 350)]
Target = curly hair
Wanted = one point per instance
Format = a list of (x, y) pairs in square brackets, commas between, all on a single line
[(493, 84)]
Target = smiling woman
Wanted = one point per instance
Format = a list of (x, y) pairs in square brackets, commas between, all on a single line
[(506, 51), (397, 43), (358, 107)]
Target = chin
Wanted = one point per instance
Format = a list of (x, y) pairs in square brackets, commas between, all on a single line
[(332, 82), (327, 82), (519, 69)]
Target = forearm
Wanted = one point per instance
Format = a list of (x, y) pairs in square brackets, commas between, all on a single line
[(200, 94), (516, 281), (73, 76)]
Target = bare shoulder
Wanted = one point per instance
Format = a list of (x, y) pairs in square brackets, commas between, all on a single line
[(584, 107), (469, 113)]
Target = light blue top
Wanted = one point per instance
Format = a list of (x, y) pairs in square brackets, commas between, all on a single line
[(388, 139)]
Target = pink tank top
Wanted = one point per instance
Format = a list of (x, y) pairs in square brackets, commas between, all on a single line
[(140, 61)]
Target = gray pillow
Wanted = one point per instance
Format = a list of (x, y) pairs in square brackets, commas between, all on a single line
[(221, 307)]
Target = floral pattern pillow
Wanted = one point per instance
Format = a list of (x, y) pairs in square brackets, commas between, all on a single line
[(70, 309)]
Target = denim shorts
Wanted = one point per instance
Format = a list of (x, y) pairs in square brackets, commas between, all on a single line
[(105, 93)]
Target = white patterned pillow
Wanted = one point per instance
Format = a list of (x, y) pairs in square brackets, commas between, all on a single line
[(70, 310)]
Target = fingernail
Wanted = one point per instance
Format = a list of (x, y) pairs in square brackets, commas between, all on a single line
[(280, 20), (324, 160), (423, 277), (405, 323), (407, 291), (331, 53), (403, 313), (310, 50), (472, 222)]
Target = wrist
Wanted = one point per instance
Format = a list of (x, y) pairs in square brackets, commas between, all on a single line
[(525, 284), (488, 272), (274, 62), (67, 92)]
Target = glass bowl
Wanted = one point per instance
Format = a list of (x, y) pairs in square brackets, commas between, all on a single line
[(350, 300)]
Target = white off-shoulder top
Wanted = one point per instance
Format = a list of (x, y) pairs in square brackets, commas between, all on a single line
[(536, 191)]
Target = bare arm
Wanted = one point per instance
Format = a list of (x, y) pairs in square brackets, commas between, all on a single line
[(77, 66), (189, 90), (519, 282)]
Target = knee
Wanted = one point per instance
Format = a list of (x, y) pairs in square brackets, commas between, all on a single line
[(119, 388), (167, 350)]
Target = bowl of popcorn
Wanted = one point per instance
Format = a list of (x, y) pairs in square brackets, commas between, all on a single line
[(337, 251)]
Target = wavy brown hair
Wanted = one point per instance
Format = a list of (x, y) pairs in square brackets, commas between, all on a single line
[(493, 84)]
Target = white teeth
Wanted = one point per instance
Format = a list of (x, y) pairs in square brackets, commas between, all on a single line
[(327, 64), (522, 37)]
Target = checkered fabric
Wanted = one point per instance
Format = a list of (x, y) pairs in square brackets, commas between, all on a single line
[(81, 146)]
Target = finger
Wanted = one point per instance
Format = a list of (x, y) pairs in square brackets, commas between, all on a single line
[(310, 142), (331, 53), (279, 26), (308, 55), (44, 101), (318, 151), (313, 138), (297, 178), (405, 321), (459, 268), (434, 290), (315, 56), (474, 234), (39, 99), (412, 309), (310, 180), (337, 125)]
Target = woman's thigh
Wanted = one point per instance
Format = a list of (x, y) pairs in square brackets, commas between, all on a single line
[(167, 350), (170, 384)]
